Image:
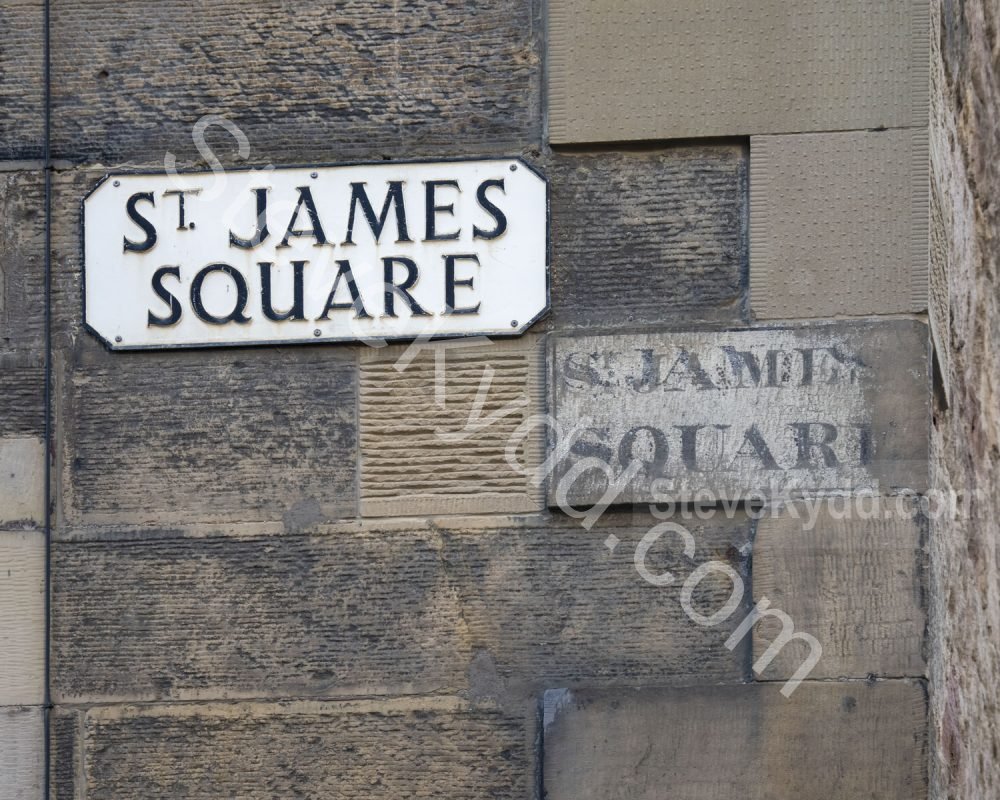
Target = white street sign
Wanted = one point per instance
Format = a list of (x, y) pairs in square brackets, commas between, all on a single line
[(316, 254)]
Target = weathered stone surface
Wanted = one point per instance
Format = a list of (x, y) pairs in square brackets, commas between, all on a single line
[(838, 224), (462, 607), (22, 481), (22, 394), (856, 584), (738, 413), (22, 80), (649, 70), (22, 249), (436, 422), (426, 748), (648, 237), (236, 435), (321, 82), (965, 542), (65, 752), (21, 753), (836, 741), (22, 618)]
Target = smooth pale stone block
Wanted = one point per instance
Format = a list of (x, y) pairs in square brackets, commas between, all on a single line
[(645, 69), (761, 413), (838, 224), (855, 584), (22, 618), (21, 753), (835, 741), (22, 482)]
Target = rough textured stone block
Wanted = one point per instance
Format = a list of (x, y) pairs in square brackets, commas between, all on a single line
[(643, 69), (22, 80), (330, 80), (22, 618), (22, 394), (460, 607), (840, 741), (741, 414), (251, 435), (838, 224), (856, 584), (21, 753), (648, 236), (427, 748), (22, 250), (22, 481), (434, 429), (65, 752)]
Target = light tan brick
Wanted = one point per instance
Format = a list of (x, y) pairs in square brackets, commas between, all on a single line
[(838, 224), (836, 741)]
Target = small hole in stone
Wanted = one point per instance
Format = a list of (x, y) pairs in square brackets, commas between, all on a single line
[(103, 75)]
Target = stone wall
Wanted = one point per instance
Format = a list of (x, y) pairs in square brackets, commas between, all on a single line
[(297, 571), (965, 316)]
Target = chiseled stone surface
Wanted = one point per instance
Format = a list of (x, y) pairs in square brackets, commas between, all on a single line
[(836, 741), (648, 237), (420, 748), (692, 68), (22, 252), (838, 224), (965, 308), (234, 435), (22, 80), (21, 755), (22, 387), (317, 82), (763, 411), (854, 580), (454, 606), (436, 423)]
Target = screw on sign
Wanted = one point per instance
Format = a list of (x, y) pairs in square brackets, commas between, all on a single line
[(348, 253)]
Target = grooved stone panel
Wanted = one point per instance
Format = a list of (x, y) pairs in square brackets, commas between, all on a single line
[(644, 69), (330, 81), (855, 584), (235, 436), (22, 619), (647, 237), (364, 751), (22, 481), (22, 80), (464, 608), (835, 741), (436, 422), (22, 394), (745, 414), (838, 224), (21, 748), (22, 251)]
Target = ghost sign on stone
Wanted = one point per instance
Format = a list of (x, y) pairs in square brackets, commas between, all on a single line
[(316, 254), (767, 412)]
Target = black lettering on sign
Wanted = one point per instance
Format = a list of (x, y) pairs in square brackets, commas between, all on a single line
[(164, 294), (146, 226), (238, 314)]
